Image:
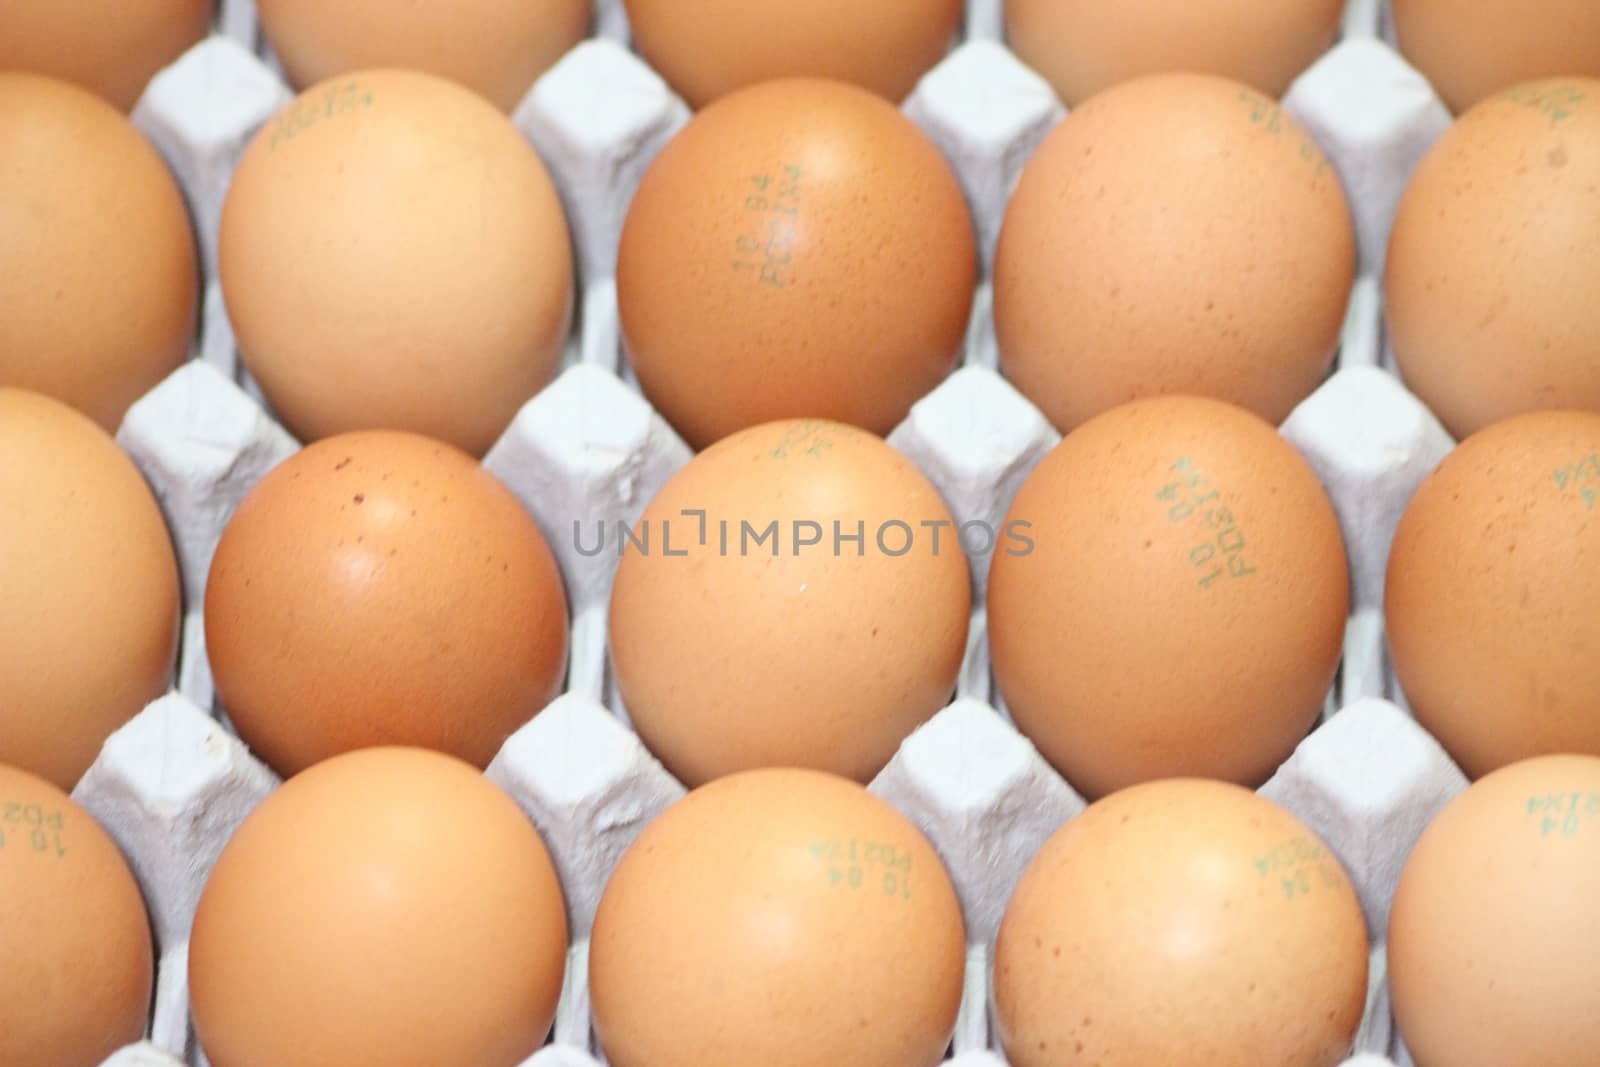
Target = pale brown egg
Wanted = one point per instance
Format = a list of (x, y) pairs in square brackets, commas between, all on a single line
[(884, 46), (1182, 923), (74, 934), (786, 918), (394, 256), (111, 47), (98, 276), (1084, 46), (390, 906), (1495, 256), (796, 596), (1471, 48), (1492, 582), (383, 588), (89, 612), (799, 249), (1170, 599), (496, 47), (1175, 234), (1493, 934)]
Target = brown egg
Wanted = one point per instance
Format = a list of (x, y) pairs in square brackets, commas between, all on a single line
[(1494, 255), (1178, 608), (800, 248), (497, 47), (394, 256), (1176, 234), (89, 613), (1471, 48), (390, 906), (786, 918), (382, 588), (1492, 582), (110, 47), (1493, 935), (776, 639), (98, 277), (74, 934), (1181, 923), (1083, 46), (884, 46)]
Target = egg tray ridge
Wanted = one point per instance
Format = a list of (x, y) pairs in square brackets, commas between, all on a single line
[(173, 784)]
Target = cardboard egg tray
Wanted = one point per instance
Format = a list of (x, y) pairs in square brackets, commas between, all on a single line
[(172, 785)]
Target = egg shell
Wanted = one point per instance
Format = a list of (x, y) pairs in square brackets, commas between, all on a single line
[(111, 47), (742, 637), (496, 47), (1470, 49), (1186, 923), (382, 588), (1176, 605), (1175, 234), (89, 616), (74, 934), (1493, 576), (1494, 942), (393, 256), (98, 278), (781, 917), (1495, 249), (800, 248), (1082, 46), (389, 906), (884, 46)]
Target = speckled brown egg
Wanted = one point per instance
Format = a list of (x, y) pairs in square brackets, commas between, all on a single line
[(778, 917), (1084, 46), (1182, 923), (1492, 582), (1178, 608), (1495, 256), (390, 906), (394, 257), (497, 47), (110, 47), (803, 602), (884, 46), (1175, 234), (89, 612), (98, 276), (74, 935), (1470, 49), (380, 588), (1494, 940), (799, 249)]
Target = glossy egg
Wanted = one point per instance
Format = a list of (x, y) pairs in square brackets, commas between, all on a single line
[(383, 588), (1084, 46), (394, 257), (778, 917), (1470, 49), (1494, 255), (1494, 941), (799, 249), (1178, 608), (884, 46), (89, 614), (110, 47), (98, 275), (1181, 923), (1492, 579), (389, 906), (1176, 234), (752, 631), (74, 935), (496, 47)]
